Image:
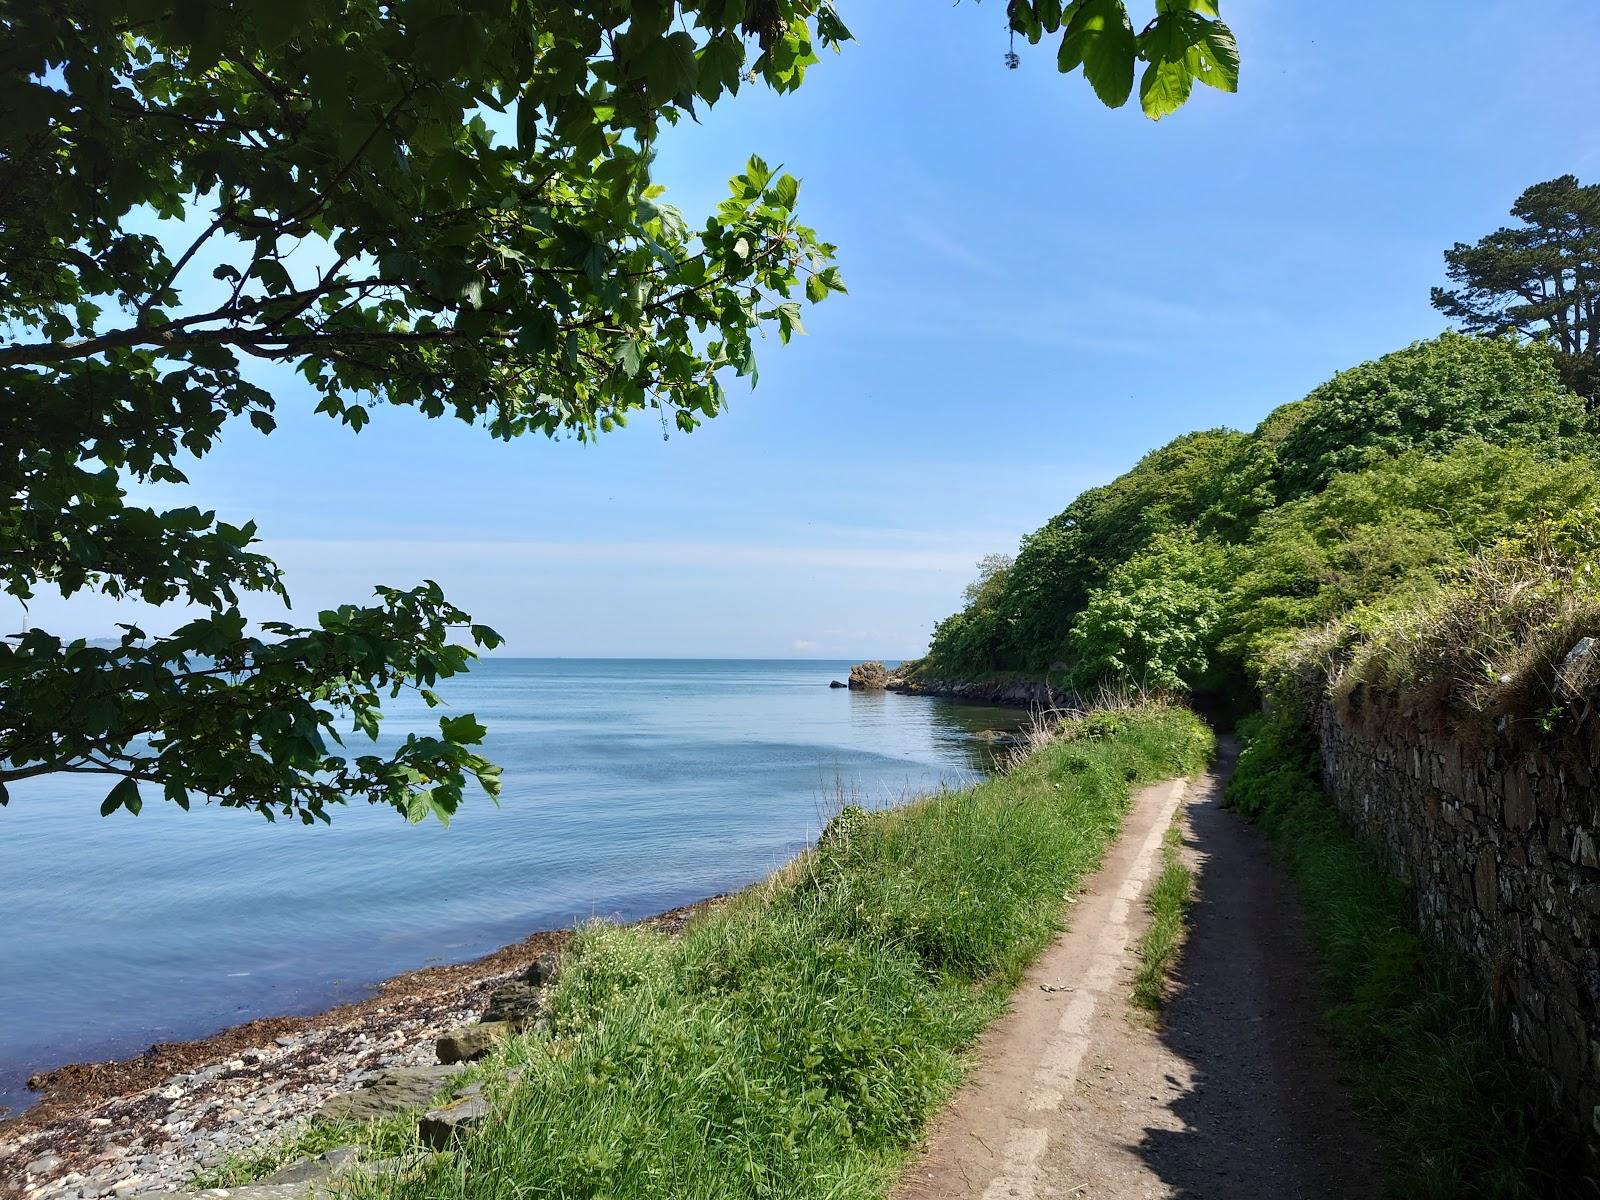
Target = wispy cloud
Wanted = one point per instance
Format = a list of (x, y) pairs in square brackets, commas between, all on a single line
[(952, 250)]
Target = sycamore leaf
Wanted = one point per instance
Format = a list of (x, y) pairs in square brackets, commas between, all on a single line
[(1100, 38), (464, 729), (1214, 60)]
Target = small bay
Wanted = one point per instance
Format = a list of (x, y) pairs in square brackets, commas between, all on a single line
[(631, 786)]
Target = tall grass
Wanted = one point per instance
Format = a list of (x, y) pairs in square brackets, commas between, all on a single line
[(795, 1042), (1414, 1031), (1168, 903)]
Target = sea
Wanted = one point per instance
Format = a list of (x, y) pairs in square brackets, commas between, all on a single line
[(630, 787)]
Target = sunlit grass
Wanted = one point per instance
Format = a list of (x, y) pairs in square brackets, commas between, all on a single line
[(795, 1042), (1168, 903)]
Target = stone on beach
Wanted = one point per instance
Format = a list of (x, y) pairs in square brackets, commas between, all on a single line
[(439, 1127), (518, 1004), (318, 1166), (471, 1042), (544, 969), (403, 1090)]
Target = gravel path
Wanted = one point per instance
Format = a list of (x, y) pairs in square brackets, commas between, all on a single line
[(1233, 1095)]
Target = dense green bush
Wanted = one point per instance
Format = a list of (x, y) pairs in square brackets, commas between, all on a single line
[(1026, 625), (1428, 397), (1384, 536), (1153, 621), (1487, 644)]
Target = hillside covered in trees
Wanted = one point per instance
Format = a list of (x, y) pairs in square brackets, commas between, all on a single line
[(1373, 517)]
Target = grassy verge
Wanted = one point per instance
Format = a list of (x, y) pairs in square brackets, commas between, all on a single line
[(1168, 902), (1414, 1031), (795, 1042)]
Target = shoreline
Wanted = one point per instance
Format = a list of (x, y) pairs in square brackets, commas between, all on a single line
[(150, 1121), (1001, 693)]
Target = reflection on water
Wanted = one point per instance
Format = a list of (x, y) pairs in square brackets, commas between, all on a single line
[(630, 787)]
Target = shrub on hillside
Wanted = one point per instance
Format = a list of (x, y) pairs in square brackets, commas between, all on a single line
[(1428, 397), (1154, 620), (1382, 537)]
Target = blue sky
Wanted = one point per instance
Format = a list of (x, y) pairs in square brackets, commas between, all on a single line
[(1040, 291)]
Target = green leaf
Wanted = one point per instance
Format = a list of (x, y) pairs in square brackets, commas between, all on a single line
[(816, 289), (721, 66), (786, 191), (1100, 38), (789, 324), (1214, 60), (758, 172), (464, 730), (527, 124), (124, 795), (484, 636), (628, 357), (669, 64), (1164, 88)]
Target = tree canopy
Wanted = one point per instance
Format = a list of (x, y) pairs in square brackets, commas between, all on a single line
[(1186, 570), (444, 204), (1539, 279)]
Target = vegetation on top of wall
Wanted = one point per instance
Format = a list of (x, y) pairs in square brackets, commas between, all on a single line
[(1202, 565), (1499, 643)]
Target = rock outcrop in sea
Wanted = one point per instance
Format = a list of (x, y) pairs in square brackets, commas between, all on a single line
[(869, 677)]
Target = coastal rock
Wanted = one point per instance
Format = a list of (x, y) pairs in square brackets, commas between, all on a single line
[(1013, 693), (834, 683), (404, 1090), (471, 1042), (518, 1004), (869, 677), (544, 969), (441, 1126), (999, 737), (254, 1191), (319, 1166)]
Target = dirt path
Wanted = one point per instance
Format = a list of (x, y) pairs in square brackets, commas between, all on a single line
[(1234, 1094)]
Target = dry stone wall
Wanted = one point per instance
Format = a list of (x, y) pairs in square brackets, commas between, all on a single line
[(1500, 844)]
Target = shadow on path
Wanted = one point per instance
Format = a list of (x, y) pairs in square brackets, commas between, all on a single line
[(1263, 1113)]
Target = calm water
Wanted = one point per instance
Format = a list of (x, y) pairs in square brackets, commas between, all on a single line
[(630, 787)]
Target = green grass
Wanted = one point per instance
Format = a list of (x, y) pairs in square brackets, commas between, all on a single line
[(1168, 902), (795, 1042), (1414, 1031), (379, 1139)]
